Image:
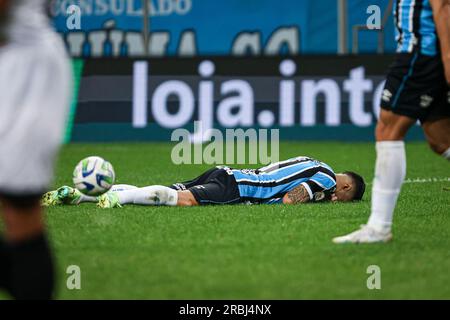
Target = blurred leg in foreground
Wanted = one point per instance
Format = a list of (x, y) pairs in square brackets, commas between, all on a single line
[(35, 85)]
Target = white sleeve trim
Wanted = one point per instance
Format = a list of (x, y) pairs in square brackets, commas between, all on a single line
[(307, 189)]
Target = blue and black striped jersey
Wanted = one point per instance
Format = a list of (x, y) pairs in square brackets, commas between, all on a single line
[(270, 183), (415, 29)]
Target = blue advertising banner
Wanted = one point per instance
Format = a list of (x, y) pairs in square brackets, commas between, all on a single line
[(306, 98), (204, 28)]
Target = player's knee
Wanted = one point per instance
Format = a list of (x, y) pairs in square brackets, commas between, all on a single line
[(185, 203), (380, 131), (186, 199), (391, 132), (391, 126), (384, 132)]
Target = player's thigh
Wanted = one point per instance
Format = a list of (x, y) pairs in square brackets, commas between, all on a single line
[(391, 126), (437, 125), (222, 189), (201, 179), (437, 133), (208, 193), (35, 85)]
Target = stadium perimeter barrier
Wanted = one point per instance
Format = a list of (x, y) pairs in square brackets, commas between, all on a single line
[(318, 97)]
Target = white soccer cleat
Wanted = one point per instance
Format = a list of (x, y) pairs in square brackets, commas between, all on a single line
[(365, 234)]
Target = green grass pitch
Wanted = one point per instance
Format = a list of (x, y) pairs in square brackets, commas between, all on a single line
[(251, 252)]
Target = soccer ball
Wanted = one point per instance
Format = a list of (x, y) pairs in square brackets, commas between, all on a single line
[(93, 176)]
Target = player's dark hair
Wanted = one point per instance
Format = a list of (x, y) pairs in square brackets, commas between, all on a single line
[(358, 184)]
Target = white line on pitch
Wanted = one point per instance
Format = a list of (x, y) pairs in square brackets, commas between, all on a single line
[(424, 180)]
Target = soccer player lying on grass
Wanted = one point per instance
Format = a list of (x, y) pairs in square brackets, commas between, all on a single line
[(296, 180)]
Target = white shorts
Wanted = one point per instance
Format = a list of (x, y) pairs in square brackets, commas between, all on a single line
[(35, 91)]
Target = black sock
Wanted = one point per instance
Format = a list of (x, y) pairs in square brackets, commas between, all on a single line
[(31, 269), (4, 266)]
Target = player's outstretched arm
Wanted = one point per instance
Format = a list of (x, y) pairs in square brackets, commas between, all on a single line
[(297, 195), (441, 14)]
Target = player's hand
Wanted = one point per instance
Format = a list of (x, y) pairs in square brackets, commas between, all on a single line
[(333, 197)]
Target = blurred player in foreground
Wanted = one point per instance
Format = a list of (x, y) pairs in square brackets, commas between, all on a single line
[(294, 181), (417, 88), (35, 84)]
